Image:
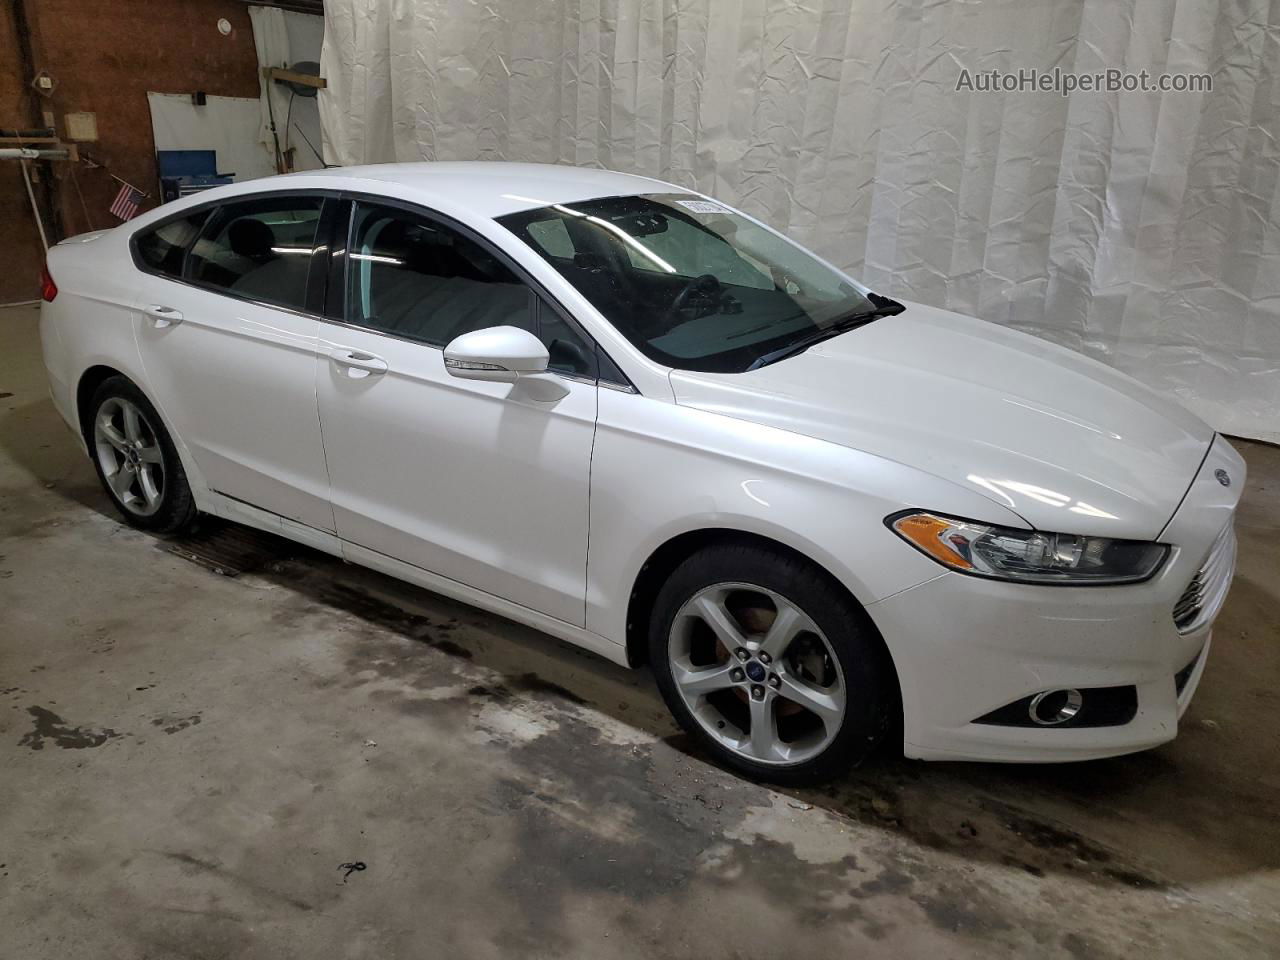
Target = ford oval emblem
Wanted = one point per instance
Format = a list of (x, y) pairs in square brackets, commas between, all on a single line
[(1223, 477)]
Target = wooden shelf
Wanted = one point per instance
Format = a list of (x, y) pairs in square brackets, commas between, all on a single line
[(306, 79)]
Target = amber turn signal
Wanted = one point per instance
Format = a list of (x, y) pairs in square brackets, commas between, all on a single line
[(927, 532)]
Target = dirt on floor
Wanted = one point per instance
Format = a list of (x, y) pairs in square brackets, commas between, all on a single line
[(231, 746)]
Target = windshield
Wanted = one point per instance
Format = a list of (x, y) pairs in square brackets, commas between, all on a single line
[(691, 283)]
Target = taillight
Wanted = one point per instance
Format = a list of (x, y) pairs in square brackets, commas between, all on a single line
[(48, 289)]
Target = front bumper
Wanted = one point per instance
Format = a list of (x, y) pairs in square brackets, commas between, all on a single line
[(965, 647)]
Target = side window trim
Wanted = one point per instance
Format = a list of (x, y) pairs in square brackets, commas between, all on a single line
[(543, 295), (316, 290), (209, 228), (335, 296)]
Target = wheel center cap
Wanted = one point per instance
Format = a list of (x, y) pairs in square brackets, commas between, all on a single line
[(755, 671)]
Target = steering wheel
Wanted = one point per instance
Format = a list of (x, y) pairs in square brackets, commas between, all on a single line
[(701, 297)]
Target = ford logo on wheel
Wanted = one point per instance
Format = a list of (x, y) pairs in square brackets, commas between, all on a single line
[(1223, 477)]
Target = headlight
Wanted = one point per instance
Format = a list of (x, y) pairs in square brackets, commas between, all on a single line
[(1027, 556)]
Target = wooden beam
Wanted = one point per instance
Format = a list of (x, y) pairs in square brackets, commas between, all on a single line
[(306, 79)]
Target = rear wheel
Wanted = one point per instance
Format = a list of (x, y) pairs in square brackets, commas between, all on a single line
[(769, 664), (136, 460)]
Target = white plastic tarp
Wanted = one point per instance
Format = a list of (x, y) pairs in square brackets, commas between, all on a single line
[(283, 38), (1139, 228)]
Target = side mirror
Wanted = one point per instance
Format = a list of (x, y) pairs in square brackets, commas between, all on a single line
[(504, 355)]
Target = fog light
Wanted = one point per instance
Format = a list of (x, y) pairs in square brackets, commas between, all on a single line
[(1053, 707), (1068, 708)]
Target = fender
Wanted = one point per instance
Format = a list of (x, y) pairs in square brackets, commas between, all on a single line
[(704, 470)]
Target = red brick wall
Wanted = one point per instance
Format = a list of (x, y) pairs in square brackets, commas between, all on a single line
[(19, 244), (105, 57)]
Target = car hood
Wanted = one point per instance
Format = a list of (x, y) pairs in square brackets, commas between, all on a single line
[(1066, 442)]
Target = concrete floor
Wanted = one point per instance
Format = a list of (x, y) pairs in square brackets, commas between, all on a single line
[(186, 758)]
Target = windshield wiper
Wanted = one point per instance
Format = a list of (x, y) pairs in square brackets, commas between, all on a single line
[(880, 307)]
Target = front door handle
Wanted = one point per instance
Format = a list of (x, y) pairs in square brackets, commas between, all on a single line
[(163, 316), (359, 364)]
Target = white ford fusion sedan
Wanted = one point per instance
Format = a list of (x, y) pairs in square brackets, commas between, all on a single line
[(642, 421)]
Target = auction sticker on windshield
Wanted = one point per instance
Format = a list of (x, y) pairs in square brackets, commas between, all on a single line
[(701, 206)]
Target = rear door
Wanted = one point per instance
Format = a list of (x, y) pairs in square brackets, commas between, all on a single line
[(226, 328), (458, 477)]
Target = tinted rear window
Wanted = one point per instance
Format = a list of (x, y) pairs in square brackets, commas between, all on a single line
[(163, 248)]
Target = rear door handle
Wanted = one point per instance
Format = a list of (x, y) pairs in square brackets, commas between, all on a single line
[(163, 316), (358, 363)]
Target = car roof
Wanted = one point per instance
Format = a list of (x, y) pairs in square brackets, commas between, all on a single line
[(489, 188)]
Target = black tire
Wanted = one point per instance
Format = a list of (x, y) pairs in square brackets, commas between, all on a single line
[(870, 683), (176, 509)]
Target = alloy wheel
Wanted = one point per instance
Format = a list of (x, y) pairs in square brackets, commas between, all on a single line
[(757, 673), (129, 453)]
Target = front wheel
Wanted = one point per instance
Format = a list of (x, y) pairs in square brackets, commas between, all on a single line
[(136, 460), (769, 664)]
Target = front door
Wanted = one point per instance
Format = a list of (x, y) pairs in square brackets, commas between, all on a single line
[(466, 479), (229, 351)]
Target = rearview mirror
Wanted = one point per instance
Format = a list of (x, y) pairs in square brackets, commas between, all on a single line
[(504, 355)]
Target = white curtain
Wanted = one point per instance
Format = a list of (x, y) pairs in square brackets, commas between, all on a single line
[(281, 39), (1139, 228)]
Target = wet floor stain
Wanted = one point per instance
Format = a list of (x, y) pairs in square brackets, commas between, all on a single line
[(51, 727), (173, 725), (381, 614), (532, 683), (1067, 843), (528, 682)]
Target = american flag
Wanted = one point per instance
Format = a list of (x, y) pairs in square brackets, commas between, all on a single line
[(125, 205)]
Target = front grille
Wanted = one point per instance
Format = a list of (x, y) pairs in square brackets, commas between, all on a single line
[(1189, 604), (1203, 597)]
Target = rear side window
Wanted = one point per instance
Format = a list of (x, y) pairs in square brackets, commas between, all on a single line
[(163, 248), (258, 249)]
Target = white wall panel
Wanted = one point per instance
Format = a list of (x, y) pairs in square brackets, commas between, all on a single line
[(228, 125)]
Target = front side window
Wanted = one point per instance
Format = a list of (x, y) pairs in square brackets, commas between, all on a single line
[(691, 283), (419, 279), (259, 249), (162, 250)]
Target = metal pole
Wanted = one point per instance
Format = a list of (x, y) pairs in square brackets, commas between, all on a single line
[(29, 153), (35, 209)]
